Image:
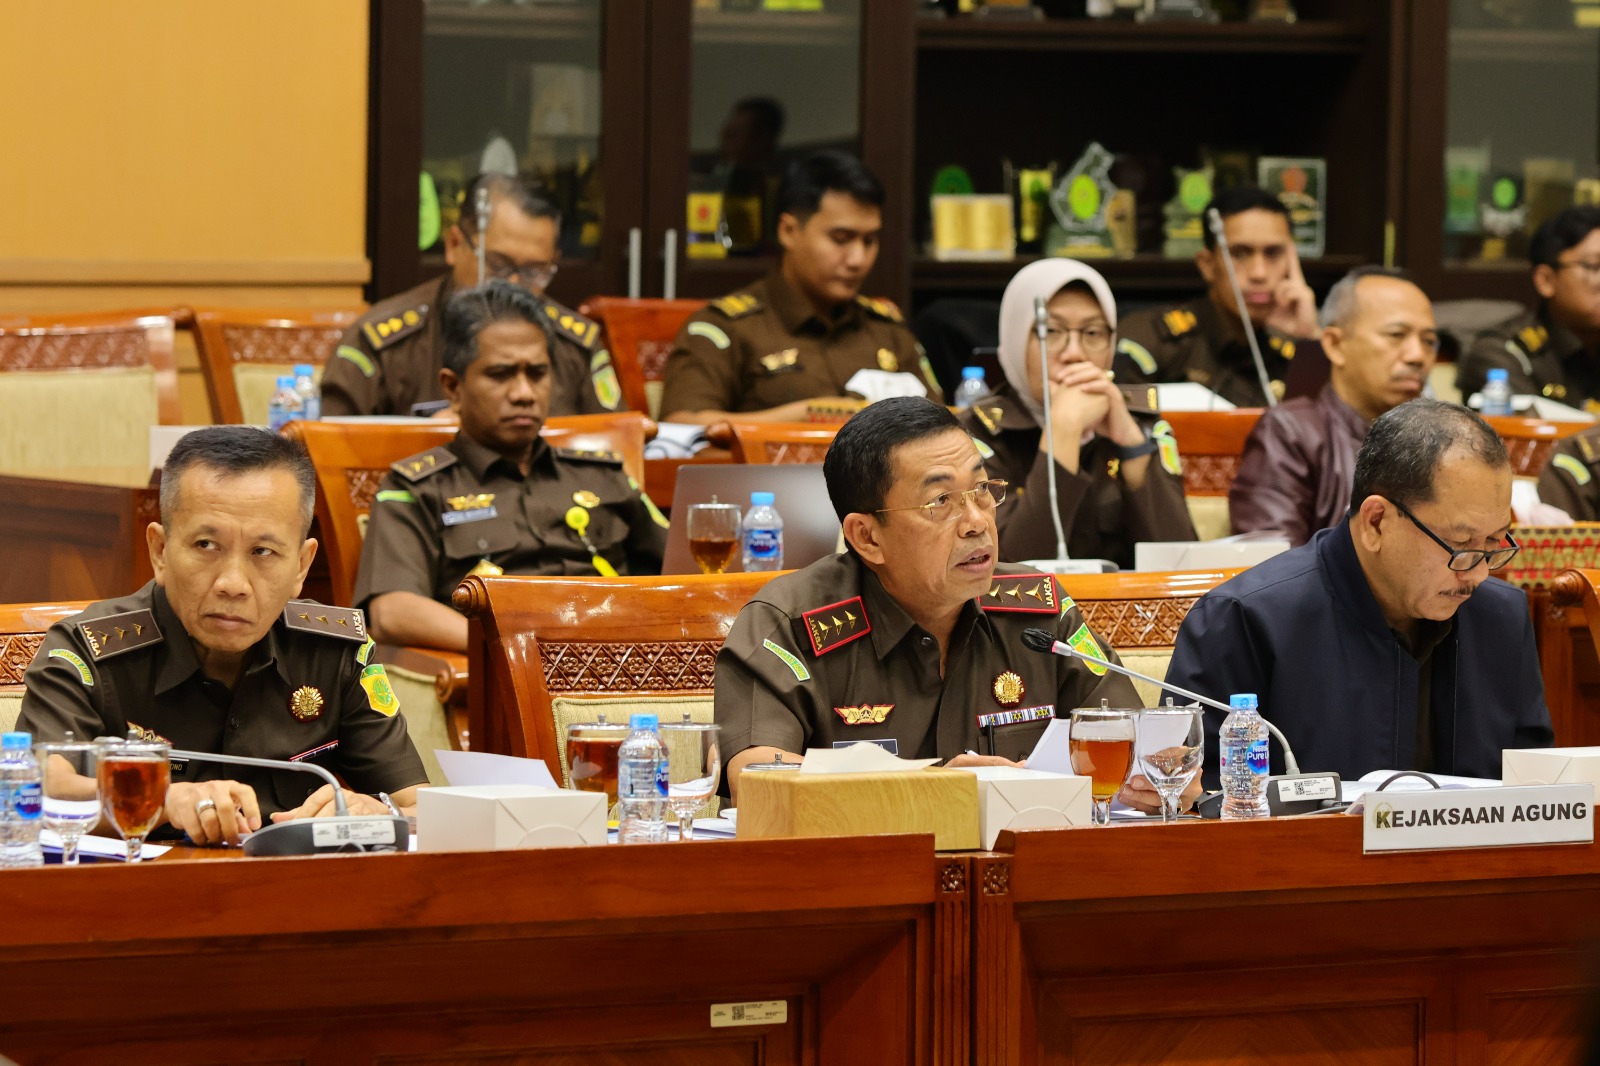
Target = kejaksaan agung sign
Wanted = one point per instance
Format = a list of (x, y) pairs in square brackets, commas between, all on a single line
[(1478, 817)]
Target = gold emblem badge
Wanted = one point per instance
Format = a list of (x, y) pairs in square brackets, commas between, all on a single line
[(475, 502), (865, 714), (305, 703), (1008, 689), (485, 569), (780, 360), (585, 498), (887, 360)]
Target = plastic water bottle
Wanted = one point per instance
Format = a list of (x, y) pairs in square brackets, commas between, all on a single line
[(286, 405), (1246, 762), (21, 801), (972, 388), (642, 784), (305, 383), (1496, 394), (762, 535)]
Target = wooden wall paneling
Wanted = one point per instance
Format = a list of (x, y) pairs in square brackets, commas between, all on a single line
[(888, 117), (65, 540), (394, 146), (952, 961)]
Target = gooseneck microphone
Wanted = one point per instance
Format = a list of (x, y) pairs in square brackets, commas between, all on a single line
[(482, 209), (1214, 218), (1041, 330), (315, 836), (1039, 640)]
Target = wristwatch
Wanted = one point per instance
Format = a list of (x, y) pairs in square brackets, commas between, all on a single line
[(1138, 451)]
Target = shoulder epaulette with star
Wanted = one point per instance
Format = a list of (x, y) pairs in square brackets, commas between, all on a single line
[(118, 633), (309, 617), (884, 309), (1588, 445), (573, 326), (827, 628), (1021, 593), (1178, 321), (1533, 338), (1141, 399), (383, 331), (588, 455), (424, 464), (738, 305)]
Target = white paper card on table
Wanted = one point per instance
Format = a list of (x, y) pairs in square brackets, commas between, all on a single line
[(332, 834), (1052, 753), (463, 768), (1550, 766), (1477, 818), (1013, 797), (1354, 792), (103, 847), (860, 758)]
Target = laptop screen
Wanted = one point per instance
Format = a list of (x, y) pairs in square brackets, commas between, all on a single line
[(810, 528)]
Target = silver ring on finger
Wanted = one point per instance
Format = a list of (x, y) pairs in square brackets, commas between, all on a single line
[(205, 805)]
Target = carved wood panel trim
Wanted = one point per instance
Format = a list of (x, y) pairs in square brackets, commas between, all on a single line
[(652, 357), (281, 344), (362, 485), (97, 350), (1128, 624), (792, 452), (1209, 475), (607, 667), (16, 652)]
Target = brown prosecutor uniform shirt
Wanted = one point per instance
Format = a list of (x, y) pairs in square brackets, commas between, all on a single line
[(1541, 357), (1101, 517), (308, 694), (1193, 342), (1570, 479), (823, 657), (390, 358), (462, 508), (765, 346)]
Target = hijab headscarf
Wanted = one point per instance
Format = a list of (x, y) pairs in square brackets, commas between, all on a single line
[(1041, 280)]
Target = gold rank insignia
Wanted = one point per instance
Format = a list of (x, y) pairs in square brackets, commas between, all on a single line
[(475, 502), (117, 633), (1179, 321), (1008, 689), (836, 625), (887, 361), (305, 703), (780, 361), (884, 309), (865, 713), (1533, 338), (425, 464), (737, 306), (1555, 391), (308, 617), (1113, 467), (1283, 347), (1022, 593), (485, 569), (388, 330), (585, 498)]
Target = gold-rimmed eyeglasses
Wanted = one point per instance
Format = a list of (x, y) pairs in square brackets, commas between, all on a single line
[(947, 505)]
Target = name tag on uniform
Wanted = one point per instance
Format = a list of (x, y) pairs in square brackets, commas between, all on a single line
[(890, 745), (477, 514), (1016, 717), (178, 767)]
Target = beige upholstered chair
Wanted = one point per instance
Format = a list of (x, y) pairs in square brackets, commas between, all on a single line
[(243, 352), (22, 629)]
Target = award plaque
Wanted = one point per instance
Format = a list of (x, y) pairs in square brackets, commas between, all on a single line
[(1031, 186), (1177, 11), (1183, 226), (1300, 185), (1079, 203), (1272, 11)]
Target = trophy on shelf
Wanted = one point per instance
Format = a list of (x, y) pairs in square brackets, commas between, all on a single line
[(1177, 11), (1301, 186), (1031, 186), (1272, 11), (1505, 213), (1079, 203), (1184, 227)]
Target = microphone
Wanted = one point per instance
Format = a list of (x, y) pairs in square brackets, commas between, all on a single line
[(482, 209), (1214, 218), (315, 836), (1041, 329)]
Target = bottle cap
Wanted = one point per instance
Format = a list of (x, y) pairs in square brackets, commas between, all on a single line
[(762, 499), (1499, 373), (970, 372), (303, 370), (286, 381), (1243, 701), (16, 740), (643, 721)]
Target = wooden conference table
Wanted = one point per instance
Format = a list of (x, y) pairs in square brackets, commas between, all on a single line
[(1196, 943)]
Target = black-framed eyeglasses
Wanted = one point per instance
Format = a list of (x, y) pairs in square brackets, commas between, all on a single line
[(1095, 340), (1464, 559), (501, 268), (947, 505)]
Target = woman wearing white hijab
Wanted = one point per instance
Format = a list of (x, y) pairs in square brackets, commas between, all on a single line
[(1117, 475)]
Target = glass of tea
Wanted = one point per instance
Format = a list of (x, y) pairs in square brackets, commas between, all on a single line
[(713, 535), (1101, 741), (133, 776), (1171, 746), (71, 794), (592, 749), (694, 765)]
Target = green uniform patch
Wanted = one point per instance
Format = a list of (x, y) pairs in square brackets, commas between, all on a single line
[(77, 662), (710, 333), (394, 496), (1139, 354), (795, 665), (358, 357), (1167, 445), (1067, 603), (928, 375), (1574, 469), (364, 652), (606, 387), (983, 449), (380, 694), (1084, 641)]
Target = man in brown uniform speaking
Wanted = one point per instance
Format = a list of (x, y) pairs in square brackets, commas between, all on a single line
[(801, 333), (215, 655), (911, 639)]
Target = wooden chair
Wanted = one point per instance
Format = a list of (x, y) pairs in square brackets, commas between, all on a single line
[(1566, 619), (244, 351), (1211, 443), (544, 652), (774, 442), (83, 390), (641, 333), (22, 629), (1529, 440)]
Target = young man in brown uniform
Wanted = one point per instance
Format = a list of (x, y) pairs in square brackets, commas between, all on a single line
[(1570, 479), (912, 639), (1203, 340), (390, 358), (214, 655), (496, 499), (801, 333)]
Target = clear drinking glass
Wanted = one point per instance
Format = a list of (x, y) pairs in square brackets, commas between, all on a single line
[(1171, 746), (592, 749), (71, 792), (694, 764), (134, 776), (1101, 742), (713, 535)]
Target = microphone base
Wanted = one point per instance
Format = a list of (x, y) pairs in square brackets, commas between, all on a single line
[(1286, 794), (331, 836)]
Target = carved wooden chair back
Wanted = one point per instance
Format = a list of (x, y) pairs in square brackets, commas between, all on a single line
[(780, 442), (1529, 440), (641, 333), (244, 351), (22, 629)]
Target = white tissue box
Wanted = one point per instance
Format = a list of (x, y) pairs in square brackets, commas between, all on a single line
[(1550, 766), (507, 817), (1011, 797)]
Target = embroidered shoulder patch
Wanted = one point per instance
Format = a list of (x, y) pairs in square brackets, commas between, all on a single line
[(358, 357), (737, 306), (1167, 445), (1568, 463), (788, 659), (711, 333), (364, 652), (394, 496), (607, 389), (383, 331), (118, 633), (836, 625), (380, 694), (1139, 354), (76, 662), (308, 617), (1021, 593), (983, 449), (1178, 322), (1083, 640), (425, 464)]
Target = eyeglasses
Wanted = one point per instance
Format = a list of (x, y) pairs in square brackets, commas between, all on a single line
[(1589, 268), (948, 505), (1095, 340), (501, 268), (1467, 558)]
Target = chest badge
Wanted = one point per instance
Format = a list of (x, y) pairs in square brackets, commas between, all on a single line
[(477, 507), (474, 502), (1008, 689), (585, 498), (778, 362), (485, 569), (305, 703), (865, 713), (888, 361)]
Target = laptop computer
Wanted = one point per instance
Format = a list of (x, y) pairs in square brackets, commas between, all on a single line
[(810, 529)]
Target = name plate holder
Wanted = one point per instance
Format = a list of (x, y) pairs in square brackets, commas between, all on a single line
[(1442, 819)]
